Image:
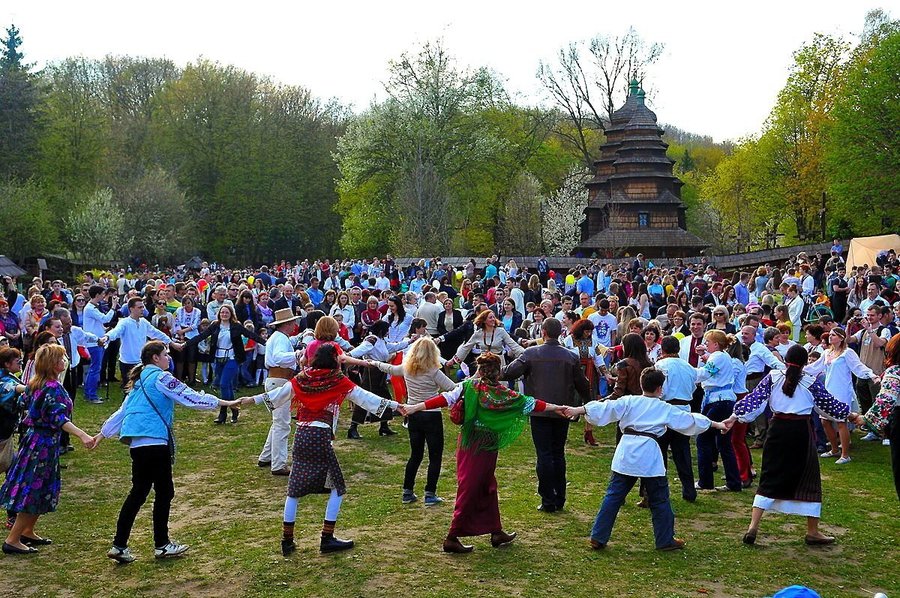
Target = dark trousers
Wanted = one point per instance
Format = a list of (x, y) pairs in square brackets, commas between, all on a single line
[(124, 371), (711, 441), (894, 436), (680, 446), (697, 399), (549, 436), (866, 391), (110, 359), (425, 428), (151, 467)]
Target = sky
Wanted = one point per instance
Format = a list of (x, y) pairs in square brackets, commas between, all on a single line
[(723, 65)]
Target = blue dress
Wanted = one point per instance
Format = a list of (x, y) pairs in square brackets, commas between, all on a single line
[(33, 482)]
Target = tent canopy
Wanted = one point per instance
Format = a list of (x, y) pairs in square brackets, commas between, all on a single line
[(864, 250), (9, 268)]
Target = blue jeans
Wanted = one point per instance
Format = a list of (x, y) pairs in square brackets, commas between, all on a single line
[(92, 380), (711, 441), (246, 376), (225, 376), (657, 490)]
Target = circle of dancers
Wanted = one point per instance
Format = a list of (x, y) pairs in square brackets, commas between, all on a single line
[(313, 373)]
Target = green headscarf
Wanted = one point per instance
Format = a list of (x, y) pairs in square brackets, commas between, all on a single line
[(494, 415)]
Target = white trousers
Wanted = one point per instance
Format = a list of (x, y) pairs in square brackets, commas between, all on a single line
[(276, 447)]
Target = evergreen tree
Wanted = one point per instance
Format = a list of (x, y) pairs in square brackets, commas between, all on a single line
[(19, 99)]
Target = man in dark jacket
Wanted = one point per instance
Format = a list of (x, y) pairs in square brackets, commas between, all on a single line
[(552, 373)]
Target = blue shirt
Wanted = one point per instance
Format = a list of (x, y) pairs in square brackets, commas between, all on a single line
[(585, 285), (315, 295), (742, 293)]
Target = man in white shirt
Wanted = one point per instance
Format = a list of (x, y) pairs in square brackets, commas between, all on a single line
[(282, 358), (605, 325), (134, 332), (71, 338), (681, 380), (872, 298), (94, 321), (643, 419), (429, 311), (212, 308)]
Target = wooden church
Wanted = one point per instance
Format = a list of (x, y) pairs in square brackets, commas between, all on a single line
[(634, 200)]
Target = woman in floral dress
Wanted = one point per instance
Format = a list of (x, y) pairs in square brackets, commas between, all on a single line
[(33, 482)]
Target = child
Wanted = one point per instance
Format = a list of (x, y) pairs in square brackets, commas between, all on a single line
[(203, 356), (246, 375), (260, 357), (782, 316), (343, 331), (643, 419)]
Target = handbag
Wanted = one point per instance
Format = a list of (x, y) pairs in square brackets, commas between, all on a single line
[(458, 412), (170, 441)]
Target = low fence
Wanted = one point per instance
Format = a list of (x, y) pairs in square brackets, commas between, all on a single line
[(724, 262)]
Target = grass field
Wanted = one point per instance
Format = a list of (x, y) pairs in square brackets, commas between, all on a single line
[(229, 511)]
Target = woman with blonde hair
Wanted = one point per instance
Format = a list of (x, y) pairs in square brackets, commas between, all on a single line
[(421, 368), (717, 377), (33, 482), (625, 315)]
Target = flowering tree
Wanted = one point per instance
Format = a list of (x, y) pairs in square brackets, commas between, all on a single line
[(564, 211), (96, 228)]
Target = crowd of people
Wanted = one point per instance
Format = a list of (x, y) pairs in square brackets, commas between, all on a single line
[(788, 359)]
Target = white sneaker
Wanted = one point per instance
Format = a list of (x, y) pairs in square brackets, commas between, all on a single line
[(170, 550), (120, 555), (870, 437), (843, 460), (886, 442)]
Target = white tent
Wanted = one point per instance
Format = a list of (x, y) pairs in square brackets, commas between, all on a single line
[(863, 250)]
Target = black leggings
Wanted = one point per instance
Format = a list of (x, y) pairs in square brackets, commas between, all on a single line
[(425, 428), (151, 466)]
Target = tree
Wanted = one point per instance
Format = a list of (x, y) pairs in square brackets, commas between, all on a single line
[(517, 231), (28, 229), (796, 127), (424, 210), (435, 124), (862, 150), (96, 228), (19, 101), (587, 89), (73, 147), (563, 213), (164, 234)]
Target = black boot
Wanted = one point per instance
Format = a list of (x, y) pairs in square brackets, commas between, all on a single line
[(287, 547), (353, 433), (384, 430), (331, 544), (223, 415), (234, 415)]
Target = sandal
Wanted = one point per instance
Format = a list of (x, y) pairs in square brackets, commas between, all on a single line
[(830, 454)]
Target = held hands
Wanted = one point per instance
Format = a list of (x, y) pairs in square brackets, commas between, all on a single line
[(406, 410), (570, 412), (87, 440)]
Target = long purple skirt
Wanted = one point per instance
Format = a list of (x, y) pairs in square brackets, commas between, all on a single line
[(477, 509)]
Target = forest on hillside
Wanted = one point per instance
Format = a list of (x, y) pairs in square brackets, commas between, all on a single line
[(140, 159)]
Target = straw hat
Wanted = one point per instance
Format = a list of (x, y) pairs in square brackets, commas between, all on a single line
[(283, 316)]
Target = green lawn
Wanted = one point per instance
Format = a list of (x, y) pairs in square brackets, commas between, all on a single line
[(229, 511)]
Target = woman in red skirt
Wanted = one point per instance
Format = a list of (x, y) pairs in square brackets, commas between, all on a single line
[(492, 416)]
